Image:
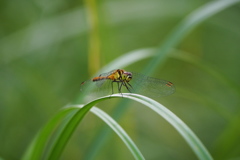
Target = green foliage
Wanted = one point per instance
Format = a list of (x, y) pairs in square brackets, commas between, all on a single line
[(44, 58), (65, 133)]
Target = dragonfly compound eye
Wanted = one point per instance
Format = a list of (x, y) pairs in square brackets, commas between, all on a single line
[(128, 76)]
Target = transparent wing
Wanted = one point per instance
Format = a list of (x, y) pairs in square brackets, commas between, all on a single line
[(107, 73), (153, 86), (96, 89)]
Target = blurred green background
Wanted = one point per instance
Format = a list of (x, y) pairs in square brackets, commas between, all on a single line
[(44, 47)]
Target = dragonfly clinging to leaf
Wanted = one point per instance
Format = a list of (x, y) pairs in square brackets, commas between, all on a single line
[(131, 82)]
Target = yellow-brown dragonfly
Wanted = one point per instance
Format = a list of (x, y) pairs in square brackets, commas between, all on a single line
[(131, 82)]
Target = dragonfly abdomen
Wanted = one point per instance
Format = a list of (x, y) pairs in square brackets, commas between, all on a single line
[(99, 78)]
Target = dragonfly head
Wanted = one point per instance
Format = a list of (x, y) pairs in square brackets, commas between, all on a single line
[(127, 76)]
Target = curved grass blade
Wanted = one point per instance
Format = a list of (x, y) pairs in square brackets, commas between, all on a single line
[(192, 140), (187, 134), (128, 59), (36, 148), (185, 27), (118, 130), (71, 125)]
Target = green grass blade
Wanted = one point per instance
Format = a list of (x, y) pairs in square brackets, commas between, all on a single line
[(104, 133), (129, 58), (187, 134), (71, 126), (185, 27), (192, 140), (36, 148), (119, 131)]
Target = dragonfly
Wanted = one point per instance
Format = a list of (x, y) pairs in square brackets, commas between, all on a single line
[(131, 82)]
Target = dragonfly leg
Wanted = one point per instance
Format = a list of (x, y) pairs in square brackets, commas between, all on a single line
[(126, 85), (120, 87), (130, 86)]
